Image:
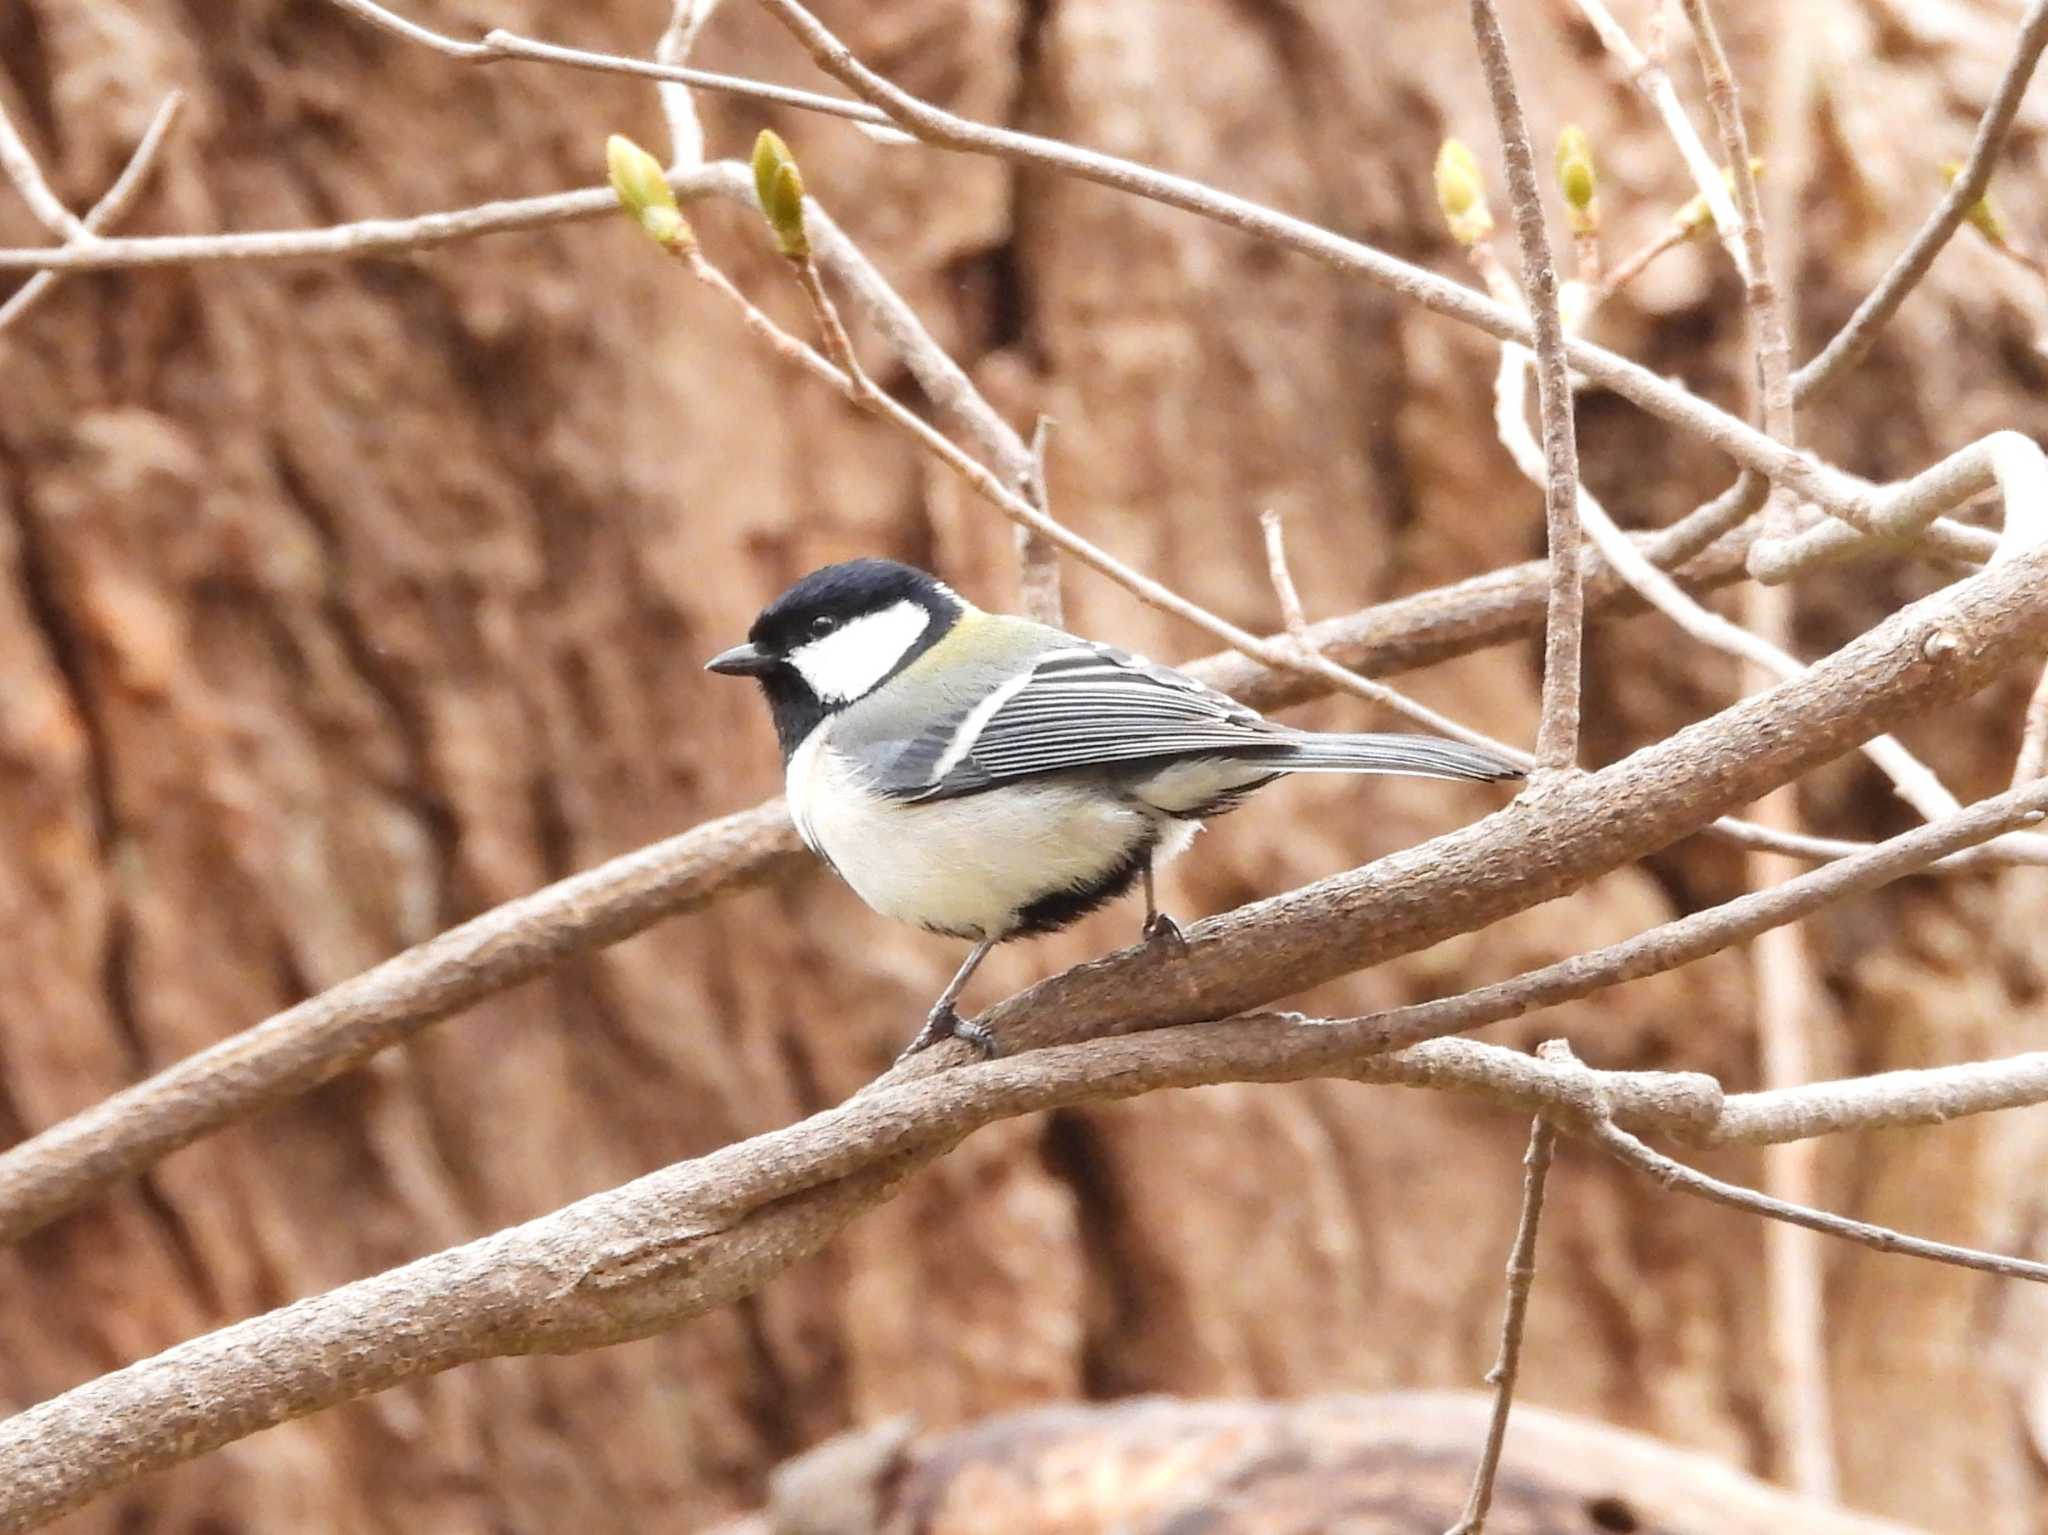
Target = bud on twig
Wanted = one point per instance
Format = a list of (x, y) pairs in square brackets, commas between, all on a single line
[(780, 186), (1576, 179), (1983, 217), (645, 194), (1696, 215), (1461, 194)]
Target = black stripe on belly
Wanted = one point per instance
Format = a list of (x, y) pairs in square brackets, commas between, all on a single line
[(1050, 913)]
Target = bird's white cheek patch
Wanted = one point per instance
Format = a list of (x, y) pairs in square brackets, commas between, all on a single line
[(844, 664)]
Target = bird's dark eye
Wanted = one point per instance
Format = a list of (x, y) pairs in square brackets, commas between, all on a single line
[(824, 623)]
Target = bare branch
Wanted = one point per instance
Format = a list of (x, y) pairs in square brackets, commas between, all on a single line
[(366, 237), (631, 1261), (1687, 1180), (1557, 733), (1769, 340), (296, 1050), (1646, 72), (1916, 782), (948, 387), (20, 168), (1815, 482), (1038, 565), (2032, 761), (685, 131), (499, 44), (1852, 343), (107, 211), (1521, 1278), (1894, 516), (1883, 1101), (1390, 904), (1293, 621), (326, 1035)]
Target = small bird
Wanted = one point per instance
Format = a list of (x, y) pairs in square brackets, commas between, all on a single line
[(988, 777)]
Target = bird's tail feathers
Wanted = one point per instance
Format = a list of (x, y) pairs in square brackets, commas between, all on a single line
[(1416, 756)]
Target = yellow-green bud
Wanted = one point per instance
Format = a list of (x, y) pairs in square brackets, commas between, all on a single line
[(1461, 194), (1983, 217), (643, 191), (1575, 177), (780, 186), (1695, 215)]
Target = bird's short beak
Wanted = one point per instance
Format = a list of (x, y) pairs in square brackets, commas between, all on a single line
[(740, 661)]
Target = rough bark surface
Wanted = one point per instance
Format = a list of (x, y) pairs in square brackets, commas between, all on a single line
[(1390, 1464), (339, 602)]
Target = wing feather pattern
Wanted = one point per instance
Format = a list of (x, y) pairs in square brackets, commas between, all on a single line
[(1091, 704)]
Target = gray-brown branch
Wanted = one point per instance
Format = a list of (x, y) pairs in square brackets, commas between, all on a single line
[(640, 1258)]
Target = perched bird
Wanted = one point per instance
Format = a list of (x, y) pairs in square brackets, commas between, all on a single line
[(988, 777)]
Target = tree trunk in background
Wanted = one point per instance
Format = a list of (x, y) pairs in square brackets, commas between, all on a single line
[(339, 602)]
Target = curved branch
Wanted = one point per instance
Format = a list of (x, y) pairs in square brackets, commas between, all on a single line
[(642, 1257)]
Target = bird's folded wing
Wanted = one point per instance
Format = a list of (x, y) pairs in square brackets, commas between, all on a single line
[(1075, 708)]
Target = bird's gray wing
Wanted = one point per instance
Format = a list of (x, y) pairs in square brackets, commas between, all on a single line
[(1081, 705)]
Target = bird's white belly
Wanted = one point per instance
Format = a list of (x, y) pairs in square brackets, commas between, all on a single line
[(963, 866)]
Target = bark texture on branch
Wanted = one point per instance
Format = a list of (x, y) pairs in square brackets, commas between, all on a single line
[(1388, 1464), (337, 604)]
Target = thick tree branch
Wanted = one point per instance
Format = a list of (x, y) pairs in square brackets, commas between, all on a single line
[(1564, 832), (324, 1036), (693, 1236)]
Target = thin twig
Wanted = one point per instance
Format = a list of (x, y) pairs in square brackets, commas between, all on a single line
[(1521, 1279), (108, 210), (1038, 564), (933, 125), (1647, 74), (677, 1242), (500, 44), (365, 237), (861, 391), (1813, 481), (319, 1038), (21, 169), (1782, 971), (838, 345), (1769, 339), (1914, 780), (1673, 1174), (946, 384), (1294, 622), (1557, 731), (1882, 1101), (685, 129), (2032, 760), (1633, 265), (1852, 343)]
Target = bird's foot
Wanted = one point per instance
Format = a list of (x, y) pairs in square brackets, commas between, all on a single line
[(944, 1023), (1162, 931)]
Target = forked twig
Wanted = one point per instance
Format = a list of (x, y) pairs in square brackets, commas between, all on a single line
[(105, 213)]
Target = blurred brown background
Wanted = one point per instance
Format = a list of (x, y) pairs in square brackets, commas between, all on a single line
[(339, 602)]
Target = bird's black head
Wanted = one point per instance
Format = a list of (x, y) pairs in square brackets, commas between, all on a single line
[(836, 636)]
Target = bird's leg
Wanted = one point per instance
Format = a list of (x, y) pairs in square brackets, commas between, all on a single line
[(1159, 927), (944, 1023)]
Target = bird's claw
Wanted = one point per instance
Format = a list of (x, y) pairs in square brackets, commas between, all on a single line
[(944, 1023), (1162, 930)]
